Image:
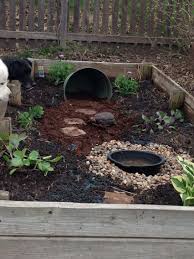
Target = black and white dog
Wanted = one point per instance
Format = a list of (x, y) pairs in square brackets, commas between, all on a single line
[(19, 69)]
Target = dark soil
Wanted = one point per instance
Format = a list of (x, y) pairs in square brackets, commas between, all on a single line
[(70, 182)]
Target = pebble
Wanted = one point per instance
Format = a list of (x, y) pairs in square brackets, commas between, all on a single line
[(99, 165)]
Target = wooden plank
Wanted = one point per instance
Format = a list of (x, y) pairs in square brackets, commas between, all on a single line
[(133, 17), (169, 13), (5, 126), (96, 17), (95, 220), (98, 248), (16, 96), (51, 12), (168, 85), (142, 23), (87, 37), (121, 38), (3, 15), (160, 20), (31, 15), (150, 25), (27, 35), (22, 15), (115, 16), (63, 22), (110, 69), (76, 16), (41, 13), (85, 18), (105, 16), (12, 17), (124, 17)]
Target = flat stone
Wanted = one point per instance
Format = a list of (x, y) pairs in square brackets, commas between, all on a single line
[(74, 121), (104, 118), (4, 195), (73, 131), (117, 198), (86, 111)]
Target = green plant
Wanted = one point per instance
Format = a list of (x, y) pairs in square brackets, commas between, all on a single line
[(125, 85), (184, 184), (17, 158), (59, 71), (162, 120), (26, 119)]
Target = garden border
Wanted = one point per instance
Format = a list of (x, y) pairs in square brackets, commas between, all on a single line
[(69, 230)]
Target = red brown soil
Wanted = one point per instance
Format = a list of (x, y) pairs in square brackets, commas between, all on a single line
[(54, 120)]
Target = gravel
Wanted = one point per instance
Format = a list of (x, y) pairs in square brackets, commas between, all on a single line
[(99, 165)]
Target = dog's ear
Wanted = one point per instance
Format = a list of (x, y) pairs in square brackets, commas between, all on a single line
[(28, 61)]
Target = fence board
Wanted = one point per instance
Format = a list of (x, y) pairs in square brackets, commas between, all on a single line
[(50, 14), (115, 16), (31, 15), (76, 17), (85, 18), (22, 16), (169, 12), (41, 13), (124, 16), (96, 17), (12, 16), (160, 16), (105, 16), (150, 27), (142, 22), (133, 16), (64, 20)]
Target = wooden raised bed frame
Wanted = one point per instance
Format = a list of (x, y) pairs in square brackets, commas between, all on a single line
[(32, 230)]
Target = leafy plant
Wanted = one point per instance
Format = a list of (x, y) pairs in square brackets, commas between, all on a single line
[(184, 184), (162, 120), (59, 71), (17, 158), (125, 85), (26, 119)]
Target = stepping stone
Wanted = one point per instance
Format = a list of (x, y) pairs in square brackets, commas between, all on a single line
[(74, 121), (86, 111), (117, 198), (73, 132)]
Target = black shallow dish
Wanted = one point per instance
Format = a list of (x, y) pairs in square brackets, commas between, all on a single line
[(137, 161)]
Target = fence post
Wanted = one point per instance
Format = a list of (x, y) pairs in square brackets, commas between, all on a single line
[(63, 23)]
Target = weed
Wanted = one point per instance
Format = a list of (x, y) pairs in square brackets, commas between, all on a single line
[(26, 119), (59, 71), (162, 120), (17, 158), (125, 85)]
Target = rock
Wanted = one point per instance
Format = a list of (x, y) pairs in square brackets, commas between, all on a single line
[(117, 198), (74, 121), (86, 111), (73, 131), (4, 195), (104, 119)]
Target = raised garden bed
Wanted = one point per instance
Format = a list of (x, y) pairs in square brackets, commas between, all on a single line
[(63, 230)]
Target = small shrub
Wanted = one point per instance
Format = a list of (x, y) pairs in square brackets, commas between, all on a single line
[(59, 71), (184, 184), (125, 85), (26, 119), (17, 158)]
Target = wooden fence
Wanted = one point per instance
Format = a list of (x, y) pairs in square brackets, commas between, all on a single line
[(125, 21)]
